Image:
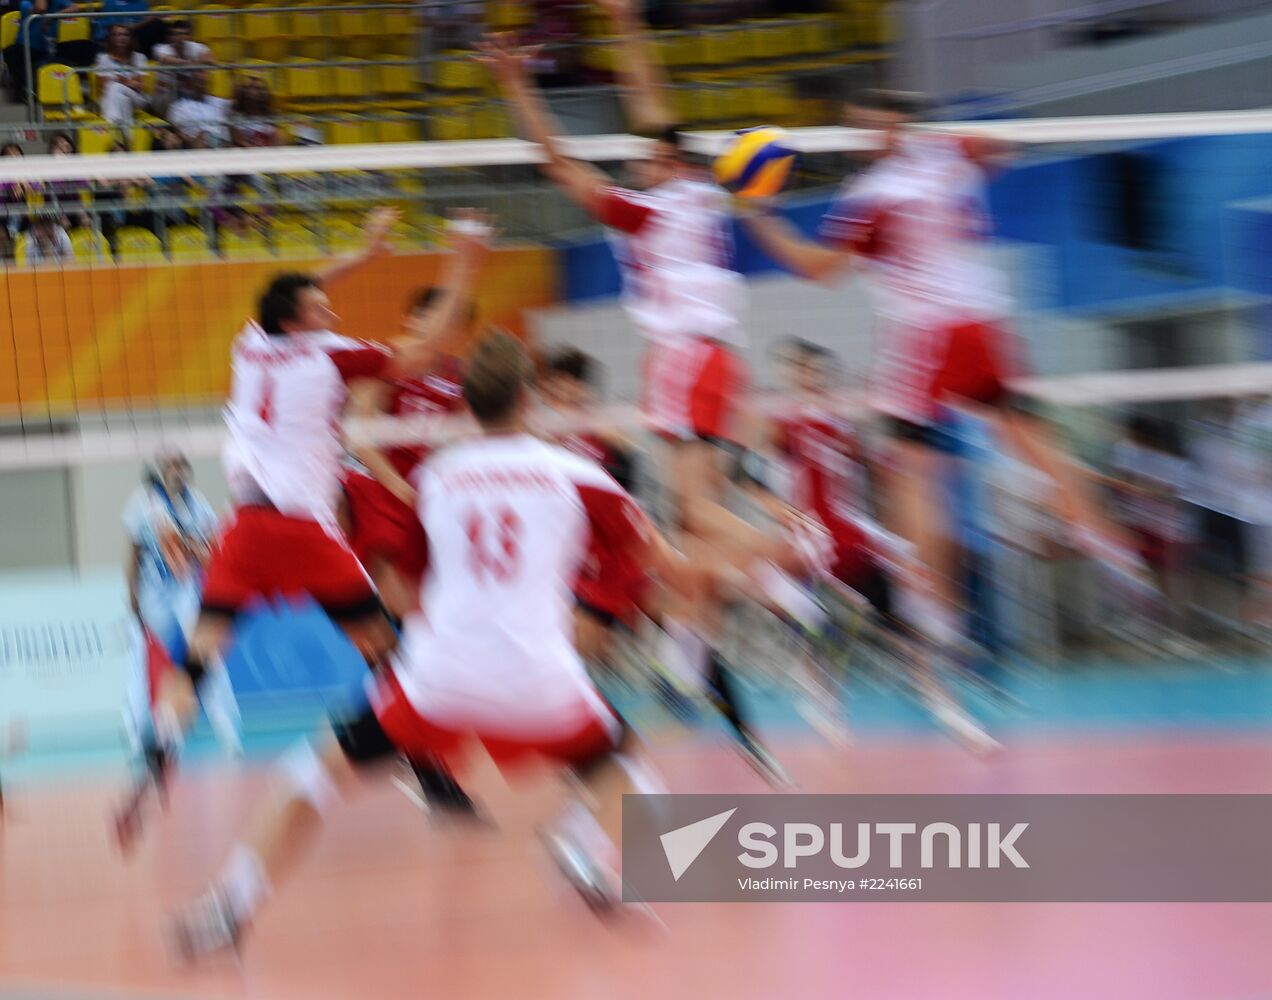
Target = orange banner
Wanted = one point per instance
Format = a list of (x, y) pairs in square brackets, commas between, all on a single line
[(159, 335)]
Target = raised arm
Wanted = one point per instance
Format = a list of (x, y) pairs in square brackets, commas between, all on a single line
[(644, 86), (471, 238), (368, 399), (582, 182), (793, 251), (379, 224)]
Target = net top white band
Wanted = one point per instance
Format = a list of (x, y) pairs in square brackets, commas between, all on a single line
[(504, 152), (1117, 388)]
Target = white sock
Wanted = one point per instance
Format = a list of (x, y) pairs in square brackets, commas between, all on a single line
[(644, 779), (929, 616), (580, 826), (168, 731), (684, 654), (221, 707), (789, 598), (244, 883)]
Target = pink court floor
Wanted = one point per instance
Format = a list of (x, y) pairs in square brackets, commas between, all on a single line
[(391, 907)]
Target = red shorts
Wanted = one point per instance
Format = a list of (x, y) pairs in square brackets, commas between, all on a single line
[(972, 361), (694, 389), (382, 526), (853, 557), (414, 735), (264, 554)]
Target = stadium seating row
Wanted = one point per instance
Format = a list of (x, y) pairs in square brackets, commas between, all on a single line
[(191, 243)]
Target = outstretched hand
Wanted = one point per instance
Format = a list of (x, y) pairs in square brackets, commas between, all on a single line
[(379, 227), (505, 57)]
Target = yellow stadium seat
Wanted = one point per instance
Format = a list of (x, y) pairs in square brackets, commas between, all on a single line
[(402, 23), (459, 71), (89, 245), (60, 94), (188, 243), (221, 84), (397, 130), (395, 79), (341, 235), (505, 15), (775, 39), (303, 81), (134, 245), (292, 239), (455, 123), (603, 56), (9, 28), (698, 104), (352, 79), (676, 50), (215, 27), (775, 102), (142, 140), (736, 104), (74, 29), (723, 45), (491, 123), (242, 246), (357, 23), (260, 23), (310, 21), (349, 133), (92, 139)]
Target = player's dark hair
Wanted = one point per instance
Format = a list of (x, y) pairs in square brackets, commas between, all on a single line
[(807, 349), (496, 376), (672, 135), (281, 300), (427, 298), (898, 102), (572, 363), (181, 24)]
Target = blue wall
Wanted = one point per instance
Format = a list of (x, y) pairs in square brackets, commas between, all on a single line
[(1071, 204)]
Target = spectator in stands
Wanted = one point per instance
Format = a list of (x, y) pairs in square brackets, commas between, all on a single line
[(14, 195), (46, 241), (179, 50), (251, 117), (557, 30), (120, 80), (148, 29), (42, 35), (79, 52), (124, 202), (67, 195), (456, 24), (196, 114)]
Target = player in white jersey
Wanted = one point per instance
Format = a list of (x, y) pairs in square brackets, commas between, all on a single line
[(684, 297), (489, 657), (290, 381), (915, 222)]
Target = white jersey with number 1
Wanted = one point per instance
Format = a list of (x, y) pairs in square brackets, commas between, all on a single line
[(286, 397)]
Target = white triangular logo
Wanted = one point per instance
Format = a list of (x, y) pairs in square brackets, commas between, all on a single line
[(682, 846)]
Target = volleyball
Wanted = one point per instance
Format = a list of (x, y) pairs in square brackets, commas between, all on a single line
[(756, 163)]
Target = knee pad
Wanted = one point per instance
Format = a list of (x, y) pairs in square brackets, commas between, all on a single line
[(305, 777)]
